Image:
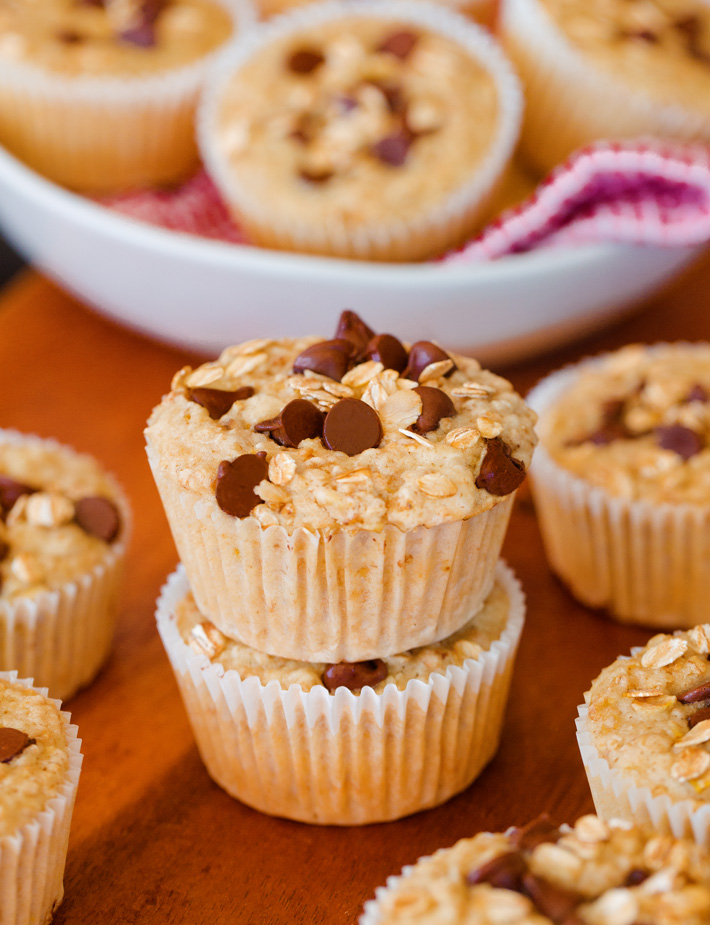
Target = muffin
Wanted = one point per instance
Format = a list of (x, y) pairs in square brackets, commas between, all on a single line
[(348, 743), (644, 732), (622, 481), (100, 96), (63, 531), (40, 762), (361, 130), (342, 499), (604, 69), (592, 873)]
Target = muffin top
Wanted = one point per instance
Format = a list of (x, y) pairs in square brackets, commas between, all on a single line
[(660, 47), (371, 119), (637, 423), (468, 643), (357, 431), (34, 757), (111, 37), (58, 516), (591, 874), (649, 718)]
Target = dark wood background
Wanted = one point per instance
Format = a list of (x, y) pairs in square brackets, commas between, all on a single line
[(154, 840)]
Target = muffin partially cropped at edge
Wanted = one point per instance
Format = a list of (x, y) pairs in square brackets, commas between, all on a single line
[(345, 744), (100, 96), (40, 763), (339, 499), (362, 130), (64, 525), (591, 873), (621, 481)]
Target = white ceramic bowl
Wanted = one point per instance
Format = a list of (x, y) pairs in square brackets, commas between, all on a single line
[(204, 294)]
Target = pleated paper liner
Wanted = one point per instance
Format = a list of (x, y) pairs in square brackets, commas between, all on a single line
[(342, 758)]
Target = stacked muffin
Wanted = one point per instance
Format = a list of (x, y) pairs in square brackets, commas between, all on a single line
[(342, 633)]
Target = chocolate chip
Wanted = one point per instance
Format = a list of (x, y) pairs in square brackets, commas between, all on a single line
[(304, 60), (542, 829), (141, 32), (698, 717), (355, 675), (393, 149), (422, 354), (98, 517), (636, 876), (12, 743), (393, 94), (680, 440), (351, 426), (500, 473), (697, 393), (695, 694), (236, 481), (311, 175), (399, 44), (10, 491), (218, 401), (386, 349), (504, 872), (352, 328), (553, 901), (611, 427), (436, 405), (299, 420), (328, 357), (70, 37)]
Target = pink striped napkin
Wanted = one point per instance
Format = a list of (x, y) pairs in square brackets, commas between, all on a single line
[(642, 193)]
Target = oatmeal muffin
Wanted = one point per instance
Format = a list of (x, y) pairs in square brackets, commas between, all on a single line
[(604, 69), (365, 131), (592, 873), (40, 761), (622, 481), (339, 499), (100, 95), (63, 531), (644, 734), (345, 743)]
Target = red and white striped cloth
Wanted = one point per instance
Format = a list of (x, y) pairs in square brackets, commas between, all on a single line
[(650, 193)]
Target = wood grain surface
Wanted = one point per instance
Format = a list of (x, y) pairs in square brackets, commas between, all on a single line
[(153, 839)]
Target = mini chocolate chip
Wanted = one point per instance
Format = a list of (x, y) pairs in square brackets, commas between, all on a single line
[(436, 405), (698, 717), (500, 473), (611, 427), (98, 517), (352, 328), (695, 694), (328, 357), (355, 675), (388, 350), (218, 401), (141, 32), (553, 901), (680, 440), (351, 426), (346, 103), (299, 420), (236, 481), (393, 94), (697, 393), (636, 876), (304, 60), (539, 830), (399, 44), (504, 872), (12, 743), (393, 149), (10, 491), (422, 354)]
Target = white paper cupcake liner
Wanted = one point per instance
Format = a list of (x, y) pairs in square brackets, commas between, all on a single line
[(645, 563), (32, 858), (341, 758), (105, 133), (615, 796), (570, 103), (415, 238), (349, 595), (61, 637)]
